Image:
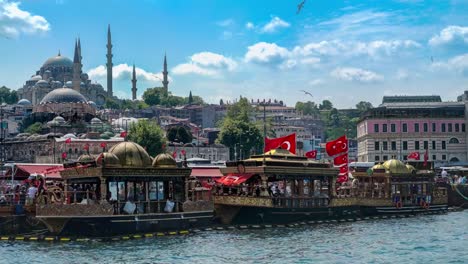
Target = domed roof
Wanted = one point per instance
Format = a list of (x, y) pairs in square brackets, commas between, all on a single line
[(131, 154), (63, 95), (395, 166), (60, 120), (36, 78), (378, 167), (411, 168), (96, 120), (164, 160), (68, 84), (92, 103), (108, 159), (58, 61), (69, 135), (85, 158), (24, 102)]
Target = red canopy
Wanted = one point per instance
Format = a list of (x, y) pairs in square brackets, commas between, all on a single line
[(206, 172), (24, 170), (234, 179)]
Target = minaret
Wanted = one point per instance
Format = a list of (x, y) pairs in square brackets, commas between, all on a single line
[(165, 82), (134, 81), (79, 53), (109, 62), (76, 79)]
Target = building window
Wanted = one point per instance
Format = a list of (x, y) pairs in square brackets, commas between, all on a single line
[(376, 128), (416, 127), (425, 127), (450, 127), (405, 145), (442, 128), (426, 144), (444, 157), (416, 145), (434, 157), (454, 141), (433, 127), (376, 145), (457, 127), (392, 128), (405, 157), (433, 144), (384, 128), (405, 127), (385, 157), (393, 145), (444, 144), (463, 128), (385, 145), (377, 158)]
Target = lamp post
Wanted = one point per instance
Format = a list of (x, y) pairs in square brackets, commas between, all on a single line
[(13, 170), (2, 134)]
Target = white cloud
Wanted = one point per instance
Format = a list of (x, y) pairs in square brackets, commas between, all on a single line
[(458, 64), (249, 25), (356, 74), (266, 53), (451, 35), (124, 72), (14, 21), (310, 61), (316, 82), (225, 23), (402, 74), (206, 63), (275, 24)]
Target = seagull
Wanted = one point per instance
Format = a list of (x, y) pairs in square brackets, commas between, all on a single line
[(300, 6), (306, 92)]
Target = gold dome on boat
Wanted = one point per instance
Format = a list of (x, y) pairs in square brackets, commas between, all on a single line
[(131, 154), (107, 159), (164, 160), (378, 167), (396, 166), (410, 168), (85, 158)]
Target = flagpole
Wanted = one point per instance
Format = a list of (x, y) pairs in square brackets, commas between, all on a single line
[(264, 131)]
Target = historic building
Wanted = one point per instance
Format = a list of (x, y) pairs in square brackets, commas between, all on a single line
[(405, 124)]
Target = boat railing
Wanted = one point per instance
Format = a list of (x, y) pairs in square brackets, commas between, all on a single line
[(300, 202), (146, 207)]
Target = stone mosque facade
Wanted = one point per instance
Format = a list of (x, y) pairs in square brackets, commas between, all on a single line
[(61, 72)]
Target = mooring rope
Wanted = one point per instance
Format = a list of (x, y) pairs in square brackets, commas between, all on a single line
[(454, 186)]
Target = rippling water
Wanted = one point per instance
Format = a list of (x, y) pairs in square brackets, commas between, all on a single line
[(420, 239)]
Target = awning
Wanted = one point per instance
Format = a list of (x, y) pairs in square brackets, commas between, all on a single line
[(234, 179), (206, 172), (23, 171)]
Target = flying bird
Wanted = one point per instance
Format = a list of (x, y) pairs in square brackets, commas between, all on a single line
[(306, 92), (300, 6)]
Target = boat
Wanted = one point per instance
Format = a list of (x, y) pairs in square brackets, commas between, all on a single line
[(396, 188), (279, 187), (124, 191)]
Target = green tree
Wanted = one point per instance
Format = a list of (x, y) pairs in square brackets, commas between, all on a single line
[(149, 135), (111, 103), (35, 128), (190, 98), (326, 105), (363, 106), (152, 96), (307, 108), (8, 95), (179, 134), (238, 132)]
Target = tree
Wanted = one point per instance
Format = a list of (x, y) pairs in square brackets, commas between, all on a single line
[(238, 132), (190, 98), (112, 104), (35, 128), (326, 105), (363, 106), (179, 134), (152, 96), (8, 96), (149, 135), (307, 108)]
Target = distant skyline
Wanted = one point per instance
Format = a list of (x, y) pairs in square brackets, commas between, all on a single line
[(343, 51)]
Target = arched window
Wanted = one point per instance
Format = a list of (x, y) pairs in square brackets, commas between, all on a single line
[(454, 159), (454, 141)]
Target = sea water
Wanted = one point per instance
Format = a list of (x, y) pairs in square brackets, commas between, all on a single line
[(420, 239)]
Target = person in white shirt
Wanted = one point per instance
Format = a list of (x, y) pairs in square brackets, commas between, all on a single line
[(32, 190)]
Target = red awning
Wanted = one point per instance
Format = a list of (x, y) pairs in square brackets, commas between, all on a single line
[(234, 179), (23, 171), (206, 172)]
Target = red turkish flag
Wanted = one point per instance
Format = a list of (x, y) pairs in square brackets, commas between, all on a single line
[(123, 134), (342, 178), (414, 155), (344, 169), (340, 160), (337, 146), (64, 155), (86, 146), (311, 154), (174, 154), (287, 142), (68, 140), (103, 144), (183, 152)]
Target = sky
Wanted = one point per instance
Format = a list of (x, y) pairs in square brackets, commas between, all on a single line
[(343, 51)]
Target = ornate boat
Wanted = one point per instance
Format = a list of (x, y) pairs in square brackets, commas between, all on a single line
[(279, 187), (125, 192), (397, 188)]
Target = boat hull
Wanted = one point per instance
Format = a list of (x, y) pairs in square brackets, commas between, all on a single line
[(410, 209), (105, 226)]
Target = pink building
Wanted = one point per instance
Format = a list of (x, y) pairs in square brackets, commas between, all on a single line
[(405, 124)]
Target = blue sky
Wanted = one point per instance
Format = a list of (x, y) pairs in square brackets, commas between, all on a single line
[(344, 51)]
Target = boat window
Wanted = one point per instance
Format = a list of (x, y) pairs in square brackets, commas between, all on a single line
[(121, 188), (113, 191), (153, 190), (306, 186), (160, 191), (131, 191)]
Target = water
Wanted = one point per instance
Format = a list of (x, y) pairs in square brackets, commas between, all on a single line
[(420, 239)]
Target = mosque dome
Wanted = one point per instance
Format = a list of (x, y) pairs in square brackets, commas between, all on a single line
[(42, 83), (63, 95), (70, 136), (164, 160), (395, 166), (96, 121), (131, 154), (24, 102), (68, 84), (108, 159), (58, 61), (92, 103), (36, 78)]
